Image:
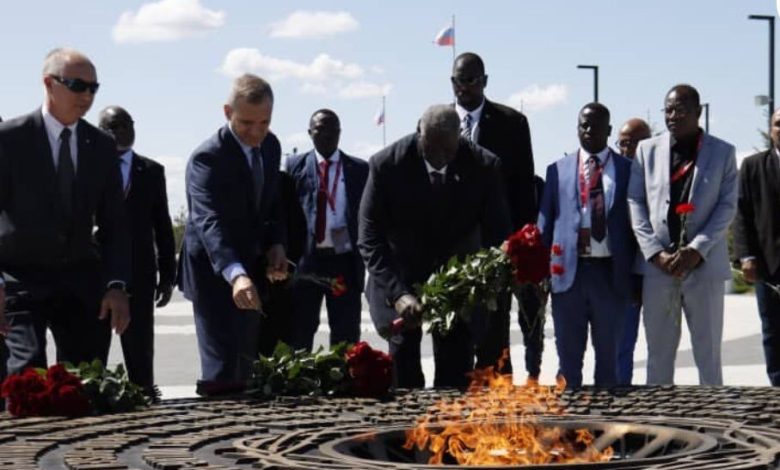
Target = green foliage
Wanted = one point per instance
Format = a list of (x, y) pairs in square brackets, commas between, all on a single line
[(179, 221), (291, 372), (109, 391), (458, 288)]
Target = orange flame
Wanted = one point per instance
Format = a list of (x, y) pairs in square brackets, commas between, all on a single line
[(496, 423)]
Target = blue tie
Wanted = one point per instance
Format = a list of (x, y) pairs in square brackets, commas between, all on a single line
[(257, 175)]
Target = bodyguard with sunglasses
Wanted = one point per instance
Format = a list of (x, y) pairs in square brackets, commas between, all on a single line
[(504, 131), (64, 250)]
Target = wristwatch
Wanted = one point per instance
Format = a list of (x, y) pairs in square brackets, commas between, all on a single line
[(117, 285)]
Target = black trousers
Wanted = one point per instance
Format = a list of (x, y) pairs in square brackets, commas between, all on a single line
[(73, 320), (769, 310), (496, 337), (453, 356), (343, 311), (277, 322), (138, 340)]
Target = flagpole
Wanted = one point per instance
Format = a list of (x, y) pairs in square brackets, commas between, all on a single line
[(384, 123), (453, 38)]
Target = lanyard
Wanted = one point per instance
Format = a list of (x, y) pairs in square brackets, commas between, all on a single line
[(585, 187), (334, 186), (683, 170)]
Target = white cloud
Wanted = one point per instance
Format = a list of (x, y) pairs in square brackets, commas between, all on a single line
[(312, 24), (537, 98), (166, 20), (362, 149), (363, 89), (321, 68), (313, 89)]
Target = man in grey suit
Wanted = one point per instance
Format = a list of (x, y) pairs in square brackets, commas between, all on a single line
[(685, 258)]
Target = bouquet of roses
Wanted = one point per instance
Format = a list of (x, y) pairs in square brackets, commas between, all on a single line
[(355, 370), (478, 280), (63, 390)]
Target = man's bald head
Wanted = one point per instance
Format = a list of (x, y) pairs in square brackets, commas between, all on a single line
[(116, 121), (632, 131)]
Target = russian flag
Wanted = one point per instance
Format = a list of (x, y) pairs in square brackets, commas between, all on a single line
[(446, 37), (379, 118)]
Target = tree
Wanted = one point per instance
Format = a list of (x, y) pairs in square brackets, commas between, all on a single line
[(179, 221)]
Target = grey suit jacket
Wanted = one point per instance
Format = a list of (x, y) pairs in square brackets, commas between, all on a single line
[(713, 194)]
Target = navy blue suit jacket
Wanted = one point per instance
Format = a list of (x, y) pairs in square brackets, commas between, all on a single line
[(559, 220), (303, 170), (224, 226)]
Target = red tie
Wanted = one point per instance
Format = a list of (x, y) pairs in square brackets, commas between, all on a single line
[(322, 201)]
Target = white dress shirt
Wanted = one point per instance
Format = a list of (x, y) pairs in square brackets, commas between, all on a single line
[(53, 130), (442, 171), (335, 217), (597, 249), (475, 117)]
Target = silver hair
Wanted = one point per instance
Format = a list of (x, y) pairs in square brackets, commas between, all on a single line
[(440, 119), (57, 59), (250, 88)]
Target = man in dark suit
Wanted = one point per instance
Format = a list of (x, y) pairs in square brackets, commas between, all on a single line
[(756, 232), (233, 237), (329, 184), (58, 183), (584, 219), (151, 232), (429, 196), (504, 132)]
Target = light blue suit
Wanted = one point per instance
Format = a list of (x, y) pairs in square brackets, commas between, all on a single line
[(595, 290), (714, 196)]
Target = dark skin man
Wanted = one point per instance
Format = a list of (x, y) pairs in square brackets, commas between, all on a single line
[(325, 131), (469, 82), (593, 128), (681, 113), (116, 121), (750, 266), (633, 131)]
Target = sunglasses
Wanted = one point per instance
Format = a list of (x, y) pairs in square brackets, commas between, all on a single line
[(466, 81), (77, 85)]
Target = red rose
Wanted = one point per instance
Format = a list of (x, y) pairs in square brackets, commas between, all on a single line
[(684, 208), (338, 286), (69, 400), (370, 371), (557, 250), (57, 374), (557, 269), (528, 255)]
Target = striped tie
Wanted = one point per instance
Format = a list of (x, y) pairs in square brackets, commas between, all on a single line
[(465, 129)]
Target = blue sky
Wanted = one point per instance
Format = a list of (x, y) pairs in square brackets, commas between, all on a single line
[(169, 62)]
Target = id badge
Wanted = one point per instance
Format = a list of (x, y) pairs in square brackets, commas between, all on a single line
[(340, 238), (583, 242)]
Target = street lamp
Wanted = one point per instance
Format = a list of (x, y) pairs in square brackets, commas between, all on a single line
[(595, 69), (770, 102)]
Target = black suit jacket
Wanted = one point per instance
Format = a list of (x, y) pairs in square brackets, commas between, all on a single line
[(757, 224), (404, 238), (303, 170), (150, 225), (36, 247), (504, 131), (224, 226)]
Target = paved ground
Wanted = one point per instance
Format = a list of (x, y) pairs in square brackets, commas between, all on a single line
[(177, 366)]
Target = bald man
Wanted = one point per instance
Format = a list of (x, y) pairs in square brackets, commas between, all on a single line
[(631, 133), (56, 274)]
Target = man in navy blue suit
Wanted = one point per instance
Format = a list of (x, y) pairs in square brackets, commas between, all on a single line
[(584, 219), (233, 237), (329, 184)]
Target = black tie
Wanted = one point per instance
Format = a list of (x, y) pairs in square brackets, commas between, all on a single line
[(257, 175), (65, 173)]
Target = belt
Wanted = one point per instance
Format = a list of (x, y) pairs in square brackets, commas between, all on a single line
[(325, 251), (594, 259)]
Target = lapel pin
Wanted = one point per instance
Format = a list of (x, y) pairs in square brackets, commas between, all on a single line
[(457, 177)]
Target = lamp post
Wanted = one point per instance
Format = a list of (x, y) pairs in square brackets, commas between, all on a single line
[(706, 107), (595, 69), (771, 97)]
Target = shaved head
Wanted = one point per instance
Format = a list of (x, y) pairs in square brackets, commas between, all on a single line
[(58, 60), (632, 131)]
